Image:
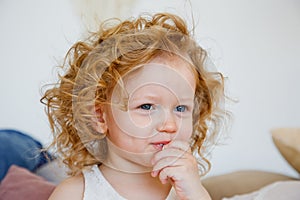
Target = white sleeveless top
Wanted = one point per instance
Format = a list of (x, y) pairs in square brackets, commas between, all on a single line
[(96, 187)]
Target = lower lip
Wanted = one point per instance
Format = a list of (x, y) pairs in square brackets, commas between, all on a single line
[(157, 147)]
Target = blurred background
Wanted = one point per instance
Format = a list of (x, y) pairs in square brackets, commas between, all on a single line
[(256, 44)]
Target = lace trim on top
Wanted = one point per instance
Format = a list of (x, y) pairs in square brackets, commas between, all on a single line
[(96, 187)]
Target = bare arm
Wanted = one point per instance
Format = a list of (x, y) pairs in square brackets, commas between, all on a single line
[(71, 188)]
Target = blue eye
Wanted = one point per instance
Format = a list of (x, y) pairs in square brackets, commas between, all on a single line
[(180, 108), (146, 107)]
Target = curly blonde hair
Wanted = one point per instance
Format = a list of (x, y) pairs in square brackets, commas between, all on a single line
[(107, 55)]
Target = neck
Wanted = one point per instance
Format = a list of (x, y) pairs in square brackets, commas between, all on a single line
[(130, 177), (139, 184)]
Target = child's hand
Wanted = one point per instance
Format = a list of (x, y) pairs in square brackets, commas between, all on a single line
[(176, 164)]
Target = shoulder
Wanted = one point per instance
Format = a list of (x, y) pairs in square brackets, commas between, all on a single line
[(71, 188)]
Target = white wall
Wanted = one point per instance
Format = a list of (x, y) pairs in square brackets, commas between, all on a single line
[(255, 43), (34, 37)]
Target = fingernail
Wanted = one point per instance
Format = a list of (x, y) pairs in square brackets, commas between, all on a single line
[(164, 181), (153, 173)]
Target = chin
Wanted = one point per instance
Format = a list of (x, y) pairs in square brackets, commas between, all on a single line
[(128, 160)]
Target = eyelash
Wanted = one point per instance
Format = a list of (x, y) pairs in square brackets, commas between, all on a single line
[(148, 106), (181, 107)]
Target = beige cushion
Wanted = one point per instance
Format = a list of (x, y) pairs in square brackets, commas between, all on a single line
[(287, 141), (280, 190), (239, 182)]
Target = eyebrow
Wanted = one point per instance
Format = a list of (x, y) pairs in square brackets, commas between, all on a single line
[(150, 97), (157, 97)]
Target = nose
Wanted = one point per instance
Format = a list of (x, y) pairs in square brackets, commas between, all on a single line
[(168, 124)]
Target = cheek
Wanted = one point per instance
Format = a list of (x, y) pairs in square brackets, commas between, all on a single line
[(133, 127), (140, 120), (133, 124), (121, 121), (123, 134), (185, 130)]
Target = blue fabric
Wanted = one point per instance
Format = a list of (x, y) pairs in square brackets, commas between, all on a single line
[(20, 149)]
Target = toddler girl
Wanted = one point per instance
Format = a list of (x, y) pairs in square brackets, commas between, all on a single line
[(132, 112)]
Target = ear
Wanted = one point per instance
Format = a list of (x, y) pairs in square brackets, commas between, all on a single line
[(100, 120)]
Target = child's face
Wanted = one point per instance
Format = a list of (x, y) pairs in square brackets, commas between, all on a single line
[(159, 109)]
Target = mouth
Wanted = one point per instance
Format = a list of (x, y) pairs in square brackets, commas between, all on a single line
[(159, 145)]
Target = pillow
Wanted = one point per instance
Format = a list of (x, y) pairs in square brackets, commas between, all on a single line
[(280, 190), (287, 141), (20, 149), (240, 182), (54, 171), (19, 183)]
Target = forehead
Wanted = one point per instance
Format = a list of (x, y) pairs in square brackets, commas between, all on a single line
[(170, 72), (181, 65)]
